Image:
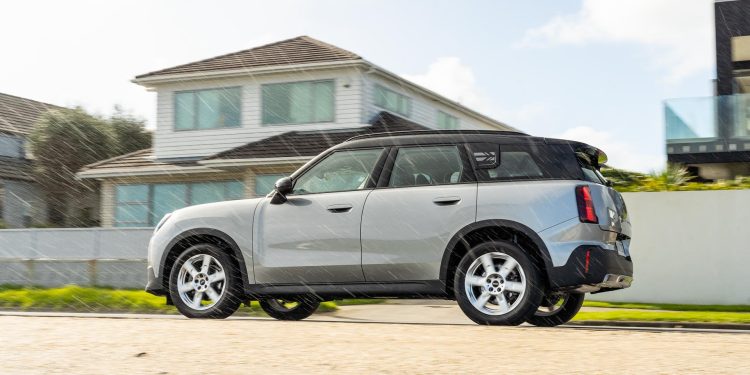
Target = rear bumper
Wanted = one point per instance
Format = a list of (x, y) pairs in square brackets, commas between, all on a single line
[(154, 284), (593, 269)]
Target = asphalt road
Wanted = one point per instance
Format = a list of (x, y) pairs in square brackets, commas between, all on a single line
[(125, 344)]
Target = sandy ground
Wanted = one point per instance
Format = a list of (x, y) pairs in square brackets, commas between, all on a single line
[(69, 345)]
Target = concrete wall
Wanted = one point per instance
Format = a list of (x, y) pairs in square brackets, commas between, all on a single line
[(689, 247), (91, 256)]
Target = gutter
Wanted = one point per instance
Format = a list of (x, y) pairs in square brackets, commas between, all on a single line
[(168, 78), (135, 172), (256, 161)]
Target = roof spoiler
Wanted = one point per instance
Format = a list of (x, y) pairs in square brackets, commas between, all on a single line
[(596, 156)]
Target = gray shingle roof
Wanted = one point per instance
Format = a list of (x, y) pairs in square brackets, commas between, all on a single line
[(289, 144), (299, 50), (311, 143), (18, 115), (137, 159)]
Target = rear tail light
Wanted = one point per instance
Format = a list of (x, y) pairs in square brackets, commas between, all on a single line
[(586, 211)]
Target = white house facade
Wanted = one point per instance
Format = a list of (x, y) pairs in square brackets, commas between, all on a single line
[(228, 126)]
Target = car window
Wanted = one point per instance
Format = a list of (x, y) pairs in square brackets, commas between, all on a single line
[(519, 162), (434, 165), (340, 171), (590, 173), (516, 164)]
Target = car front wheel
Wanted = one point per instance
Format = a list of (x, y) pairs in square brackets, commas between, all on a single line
[(497, 283), (205, 284), (557, 308), (292, 309)]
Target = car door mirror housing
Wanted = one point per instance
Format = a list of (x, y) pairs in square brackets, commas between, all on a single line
[(282, 187)]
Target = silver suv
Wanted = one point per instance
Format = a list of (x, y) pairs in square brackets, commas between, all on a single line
[(514, 228)]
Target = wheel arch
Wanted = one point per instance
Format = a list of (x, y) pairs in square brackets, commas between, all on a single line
[(488, 230), (197, 236)]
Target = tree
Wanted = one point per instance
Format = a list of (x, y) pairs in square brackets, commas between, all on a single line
[(129, 131), (62, 142)]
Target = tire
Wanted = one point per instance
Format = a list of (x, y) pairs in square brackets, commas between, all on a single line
[(276, 308), (556, 309), (219, 298), (520, 286)]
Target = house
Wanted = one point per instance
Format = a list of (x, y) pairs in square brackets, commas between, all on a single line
[(229, 126), (21, 201), (711, 135)]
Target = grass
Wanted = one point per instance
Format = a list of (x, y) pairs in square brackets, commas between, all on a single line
[(94, 299), (657, 312), (666, 316), (90, 299), (669, 307)]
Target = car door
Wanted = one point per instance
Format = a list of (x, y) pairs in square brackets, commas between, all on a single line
[(314, 237), (427, 193)]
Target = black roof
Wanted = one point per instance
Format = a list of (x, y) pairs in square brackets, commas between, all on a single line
[(443, 136)]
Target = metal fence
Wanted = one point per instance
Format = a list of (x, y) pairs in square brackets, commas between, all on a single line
[(114, 257)]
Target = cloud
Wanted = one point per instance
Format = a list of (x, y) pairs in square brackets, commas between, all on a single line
[(678, 33), (449, 77), (621, 154)]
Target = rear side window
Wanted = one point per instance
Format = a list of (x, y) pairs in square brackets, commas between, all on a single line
[(590, 173), (524, 162), (433, 165)]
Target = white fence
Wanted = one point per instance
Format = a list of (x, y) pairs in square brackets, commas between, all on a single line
[(687, 247), (113, 257)]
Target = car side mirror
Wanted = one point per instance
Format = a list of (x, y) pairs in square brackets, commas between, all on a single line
[(281, 188)]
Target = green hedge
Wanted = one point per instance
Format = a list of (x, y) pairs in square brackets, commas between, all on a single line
[(674, 178)]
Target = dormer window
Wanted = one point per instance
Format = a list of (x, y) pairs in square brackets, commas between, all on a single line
[(446, 121), (388, 99), (207, 109), (298, 102)]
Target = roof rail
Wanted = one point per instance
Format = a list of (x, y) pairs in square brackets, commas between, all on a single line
[(437, 132)]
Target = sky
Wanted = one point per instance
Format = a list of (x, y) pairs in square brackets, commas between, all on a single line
[(593, 70)]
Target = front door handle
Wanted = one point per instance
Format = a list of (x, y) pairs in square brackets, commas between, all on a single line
[(446, 201), (339, 208)]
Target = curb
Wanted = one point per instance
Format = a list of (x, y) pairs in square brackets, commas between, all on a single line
[(647, 324)]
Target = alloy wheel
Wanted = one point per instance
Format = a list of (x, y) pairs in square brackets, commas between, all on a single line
[(201, 282), (495, 283)]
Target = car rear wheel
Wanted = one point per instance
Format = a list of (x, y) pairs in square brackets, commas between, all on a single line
[(205, 284), (497, 283), (289, 309), (557, 308)]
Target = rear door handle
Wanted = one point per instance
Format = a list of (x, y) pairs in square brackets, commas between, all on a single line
[(446, 201), (339, 208)]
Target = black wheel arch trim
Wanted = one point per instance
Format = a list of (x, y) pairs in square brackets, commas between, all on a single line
[(494, 223), (236, 251)]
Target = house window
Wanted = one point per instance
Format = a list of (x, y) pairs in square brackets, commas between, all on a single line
[(392, 101), (207, 109), (264, 183), (11, 146), (132, 209), (446, 121), (298, 102), (143, 205)]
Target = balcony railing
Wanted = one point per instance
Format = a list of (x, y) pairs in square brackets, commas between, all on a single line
[(707, 118)]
